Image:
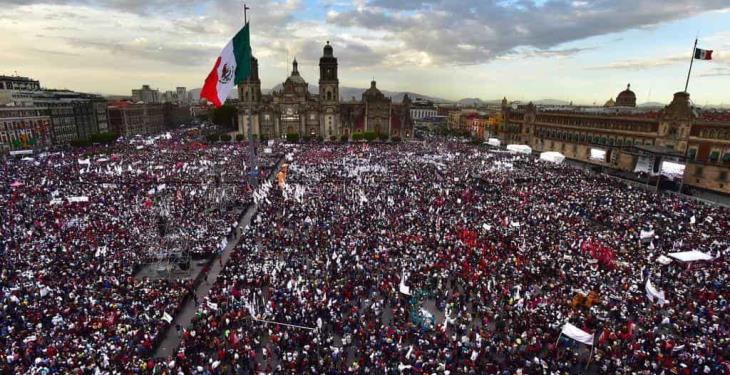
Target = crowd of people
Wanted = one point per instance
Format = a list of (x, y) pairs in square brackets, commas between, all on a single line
[(404, 258), (75, 228), (448, 258)]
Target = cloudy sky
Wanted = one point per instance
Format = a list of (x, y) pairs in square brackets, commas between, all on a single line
[(584, 51)]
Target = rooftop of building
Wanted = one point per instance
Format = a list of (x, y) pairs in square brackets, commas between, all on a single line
[(17, 78)]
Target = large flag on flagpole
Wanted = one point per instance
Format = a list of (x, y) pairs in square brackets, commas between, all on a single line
[(697, 54), (232, 67)]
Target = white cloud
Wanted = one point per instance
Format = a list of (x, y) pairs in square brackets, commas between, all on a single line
[(437, 26)]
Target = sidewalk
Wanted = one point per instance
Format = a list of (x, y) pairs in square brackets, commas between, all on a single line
[(171, 341)]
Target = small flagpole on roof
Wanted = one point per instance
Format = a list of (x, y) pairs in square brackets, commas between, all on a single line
[(691, 60)]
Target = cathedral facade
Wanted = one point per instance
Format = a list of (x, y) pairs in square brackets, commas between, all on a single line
[(294, 110)]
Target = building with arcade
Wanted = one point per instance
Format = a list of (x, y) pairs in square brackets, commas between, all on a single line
[(621, 136)]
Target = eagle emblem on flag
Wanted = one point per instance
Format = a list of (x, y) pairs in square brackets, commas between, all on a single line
[(226, 74)]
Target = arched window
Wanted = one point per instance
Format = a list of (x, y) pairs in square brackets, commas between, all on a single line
[(329, 95)]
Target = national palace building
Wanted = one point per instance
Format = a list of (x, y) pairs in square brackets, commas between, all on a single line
[(293, 109), (626, 136)]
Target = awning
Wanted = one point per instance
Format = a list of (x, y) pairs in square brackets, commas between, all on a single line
[(552, 156), (524, 149), (690, 256)]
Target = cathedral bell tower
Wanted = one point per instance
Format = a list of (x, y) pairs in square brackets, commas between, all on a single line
[(329, 93), (249, 91), (249, 95)]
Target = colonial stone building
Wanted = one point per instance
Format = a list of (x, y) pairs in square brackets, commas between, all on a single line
[(625, 135), (294, 110)]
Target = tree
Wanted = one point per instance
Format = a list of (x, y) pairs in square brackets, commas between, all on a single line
[(292, 137), (213, 137), (240, 137), (107, 137), (383, 137), (224, 116), (357, 137), (225, 137), (370, 136), (343, 138)]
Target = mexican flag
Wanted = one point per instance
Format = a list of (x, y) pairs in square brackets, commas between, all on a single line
[(703, 54), (232, 67)]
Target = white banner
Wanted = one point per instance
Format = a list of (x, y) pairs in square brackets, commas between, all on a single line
[(646, 234), (644, 164), (167, 317), (653, 293), (577, 334)]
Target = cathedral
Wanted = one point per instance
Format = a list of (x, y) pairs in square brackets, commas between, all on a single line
[(294, 110)]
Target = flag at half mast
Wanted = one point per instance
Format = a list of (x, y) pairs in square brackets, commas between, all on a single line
[(703, 54), (232, 67)]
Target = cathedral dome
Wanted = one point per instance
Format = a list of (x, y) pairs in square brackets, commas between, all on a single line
[(372, 93), (626, 98), (295, 78)]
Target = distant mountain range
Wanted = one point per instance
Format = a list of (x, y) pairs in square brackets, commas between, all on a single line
[(651, 104), (346, 94)]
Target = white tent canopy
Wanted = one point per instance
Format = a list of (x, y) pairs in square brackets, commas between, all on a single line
[(577, 334), (690, 256), (663, 260), (494, 142), (552, 156), (524, 149)]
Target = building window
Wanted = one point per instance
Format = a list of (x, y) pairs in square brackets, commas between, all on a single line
[(692, 153), (726, 157), (714, 155)]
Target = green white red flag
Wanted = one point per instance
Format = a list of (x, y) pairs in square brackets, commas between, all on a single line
[(232, 67), (703, 54)]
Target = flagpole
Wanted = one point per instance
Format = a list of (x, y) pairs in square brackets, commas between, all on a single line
[(253, 163), (691, 60)]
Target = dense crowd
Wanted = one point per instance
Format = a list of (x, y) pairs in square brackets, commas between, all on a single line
[(449, 258), (396, 258), (75, 228)]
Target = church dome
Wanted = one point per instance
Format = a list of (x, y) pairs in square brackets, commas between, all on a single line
[(372, 92), (626, 98), (610, 103), (295, 78)]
